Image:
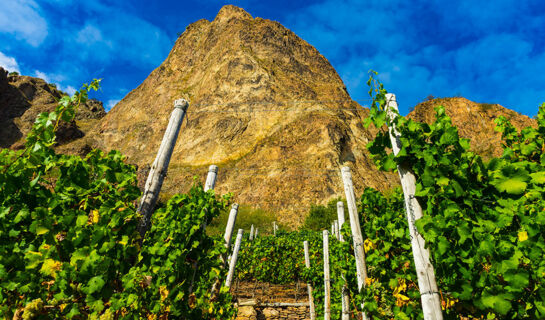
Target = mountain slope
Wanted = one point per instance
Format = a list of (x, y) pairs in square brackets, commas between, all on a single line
[(475, 121), (266, 107), (23, 98)]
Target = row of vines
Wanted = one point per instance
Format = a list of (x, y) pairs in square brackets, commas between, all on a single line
[(69, 245), (484, 224)]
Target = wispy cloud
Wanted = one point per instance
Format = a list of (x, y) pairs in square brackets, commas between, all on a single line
[(23, 19), (111, 103), (9, 63), (55, 79), (488, 53)]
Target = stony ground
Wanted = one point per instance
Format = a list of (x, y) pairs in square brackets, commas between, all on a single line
[(259, 301)]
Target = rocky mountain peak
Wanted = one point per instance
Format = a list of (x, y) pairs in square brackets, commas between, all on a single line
[(229, 12), (265, 106)]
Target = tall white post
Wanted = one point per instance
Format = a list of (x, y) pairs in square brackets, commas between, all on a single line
[(309, 286), (159, 167), (336, 224), (233, 261), (359, 252), (429, 293), (230, 226), (252, 233), (209, 185), (255, 234), (211, 177), (274, 228), (327, 283), (340, 218), (345, 302)]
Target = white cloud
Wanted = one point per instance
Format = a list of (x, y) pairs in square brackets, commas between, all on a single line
[(9, 63), (111, 103), (42, 75), (22, 19), (89, 34), (55, 79), (68, 89)]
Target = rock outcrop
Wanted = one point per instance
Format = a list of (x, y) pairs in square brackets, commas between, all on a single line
[(475, 121), (23, 98)]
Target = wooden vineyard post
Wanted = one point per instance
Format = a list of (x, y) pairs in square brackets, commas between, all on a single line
[(336, 223), (429, 293), (230, 225), (211, 177), (159, 167), (233, 261), (252, 233), (359, 253), (227, 242), (345, 301), (274, 228), (255, 233), (333, 228), (209, 185), (309, 286), (340, 218), (327, 280)]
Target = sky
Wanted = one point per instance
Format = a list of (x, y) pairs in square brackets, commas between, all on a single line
[(486, 51)]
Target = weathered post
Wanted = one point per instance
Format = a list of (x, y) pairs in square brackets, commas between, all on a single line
[(255, 234), (359, 253), (159, 167), (227, 242), (429, 293), (211, 177), (209, 185), (233, 261), (252, 233), (336, 224), (274, 228), (327, 284), (309, 286), (340, 218), (345, 302), (230, 226)]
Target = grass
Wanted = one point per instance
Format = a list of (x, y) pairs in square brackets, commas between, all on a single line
[(246, 217)]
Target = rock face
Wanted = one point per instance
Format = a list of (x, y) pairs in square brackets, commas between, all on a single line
[(22, 98), (475, 121), (266, 107)]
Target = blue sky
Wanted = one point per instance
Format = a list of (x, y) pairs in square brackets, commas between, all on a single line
[(486, 51)]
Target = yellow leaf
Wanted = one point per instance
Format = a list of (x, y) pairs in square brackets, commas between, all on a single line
[(401, 286), (401, 300), (369, 281), (164, 292), (95, 217), (368, 245), (523, 236), (50, 267)]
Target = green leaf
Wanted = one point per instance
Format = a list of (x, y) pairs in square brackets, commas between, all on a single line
[(41, 230), (95, 284), (513, 186), (538, 177), (81, 220)]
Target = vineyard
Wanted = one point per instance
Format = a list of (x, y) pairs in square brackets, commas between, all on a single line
[(464, 239)]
